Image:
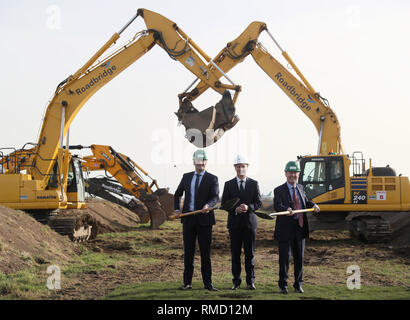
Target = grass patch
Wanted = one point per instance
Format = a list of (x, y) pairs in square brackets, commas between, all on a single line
[(91, 262), (25, 284), (169, 291)]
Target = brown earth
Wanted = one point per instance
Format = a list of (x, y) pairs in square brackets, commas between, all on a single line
[(146, 255), (25, 242), (112, 217), (327, 256)]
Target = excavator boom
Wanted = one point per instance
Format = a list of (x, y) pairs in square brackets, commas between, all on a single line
[(47, 178), (75, 91), (299, 91)]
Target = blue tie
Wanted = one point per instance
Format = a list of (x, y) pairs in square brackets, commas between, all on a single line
[(196, 188)]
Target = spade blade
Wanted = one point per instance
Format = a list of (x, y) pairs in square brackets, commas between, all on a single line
[(230, 204), (263, 215)]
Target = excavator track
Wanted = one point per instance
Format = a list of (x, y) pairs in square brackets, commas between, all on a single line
[(79, 227), (371, 229)]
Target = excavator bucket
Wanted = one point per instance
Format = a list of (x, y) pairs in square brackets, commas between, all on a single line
[(156, 212), (166, 200), (204, 128)]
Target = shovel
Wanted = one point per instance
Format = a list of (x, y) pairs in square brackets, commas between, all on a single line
[(228, 205), (269, 216)]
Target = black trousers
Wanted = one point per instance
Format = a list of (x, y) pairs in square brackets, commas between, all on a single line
[(246, 237), (296, 245), (204, 234)]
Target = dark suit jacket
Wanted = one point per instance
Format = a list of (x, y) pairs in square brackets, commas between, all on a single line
[(251, 197), (282, 201), (208, 193)]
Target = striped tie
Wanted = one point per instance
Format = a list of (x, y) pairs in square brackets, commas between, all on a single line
[(297, 207)]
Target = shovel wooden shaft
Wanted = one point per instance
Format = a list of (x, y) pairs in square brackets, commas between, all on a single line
[(191, 213), (282, 213), (226, 206)]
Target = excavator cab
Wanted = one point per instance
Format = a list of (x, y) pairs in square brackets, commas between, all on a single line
[(75, 183), (204, 128), (322, 174)]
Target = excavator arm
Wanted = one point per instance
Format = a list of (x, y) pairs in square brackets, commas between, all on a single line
[(73, 93), (129, 174), (299, 91)]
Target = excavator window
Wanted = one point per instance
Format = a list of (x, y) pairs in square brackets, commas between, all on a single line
[(71, 178), (314, 178), (336, 169), (53, 181), (320, 175)]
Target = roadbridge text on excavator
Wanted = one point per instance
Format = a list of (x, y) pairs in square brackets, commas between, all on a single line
[(350, 197), (36, 179)]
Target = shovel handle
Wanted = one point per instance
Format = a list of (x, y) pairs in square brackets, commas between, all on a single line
[(190, 213), (282, 213)]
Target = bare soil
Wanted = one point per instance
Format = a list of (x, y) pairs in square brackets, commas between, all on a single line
[(24, 242), (157, 255)]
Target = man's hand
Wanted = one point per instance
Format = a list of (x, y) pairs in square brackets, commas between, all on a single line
[(177, 213), (242, 208), (205, 209), (316, 208), (291, 213)]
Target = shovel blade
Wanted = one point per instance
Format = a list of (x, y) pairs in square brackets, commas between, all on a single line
[(204, 128), (230, 204), (263, 215)]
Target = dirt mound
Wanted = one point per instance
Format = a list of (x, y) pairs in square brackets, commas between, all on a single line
[(112, 217), (25, 242)]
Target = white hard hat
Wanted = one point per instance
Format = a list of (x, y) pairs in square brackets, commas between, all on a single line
[(240, 159)]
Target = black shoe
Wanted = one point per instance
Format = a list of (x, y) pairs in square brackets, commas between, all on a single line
[(236, 286), (299, 289), (251, 287), (284, 290), (185, 287), (211, 288)]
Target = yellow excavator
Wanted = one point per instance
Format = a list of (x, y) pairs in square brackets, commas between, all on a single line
[(123, 170), (351, 197), (36, 179)]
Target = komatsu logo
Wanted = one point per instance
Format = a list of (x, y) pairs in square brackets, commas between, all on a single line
[(108, 72), (303, 102)]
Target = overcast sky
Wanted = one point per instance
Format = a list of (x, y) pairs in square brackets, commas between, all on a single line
[(355, 53)]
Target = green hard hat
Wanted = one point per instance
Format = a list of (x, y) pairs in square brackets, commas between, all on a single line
[(292, 166), (199, 155)]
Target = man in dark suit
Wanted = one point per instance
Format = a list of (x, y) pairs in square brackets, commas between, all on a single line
[(201, 192), (242, 221), (291, 230)]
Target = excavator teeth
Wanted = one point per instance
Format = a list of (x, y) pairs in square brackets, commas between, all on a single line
[(156, 213), (166, 200), (78, 227)]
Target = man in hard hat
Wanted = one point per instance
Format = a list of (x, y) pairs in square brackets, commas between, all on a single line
[(291, 230), (242, 221), (201, 192)]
